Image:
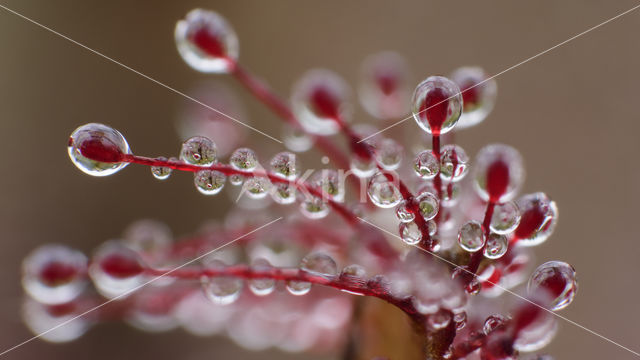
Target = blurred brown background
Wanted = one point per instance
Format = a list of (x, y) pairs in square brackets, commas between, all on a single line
[(572, 113)]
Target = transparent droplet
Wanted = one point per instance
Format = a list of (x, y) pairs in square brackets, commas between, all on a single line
[(54, 274), (319, 264), (460, 320), (206, 42), (296, 139), (298, 288), (383, 88), (329, 182), (198, 150), (150, 238), (493, 322), (161, 172), (98, 149), (403, 213), (257, 187), (538, 327), (539, 216), (244, 159), (362, 167), (454, 163), (559, 279), (389, 154), (496, 246), (209, 182), (439, 320), (222, 290), (426, 165), (283, 193), (285, 165), (54, 323), (450, 195), (410, 233), (314, 208), (498, 173), (319, 100), (471, 236), (116, 269), (432, 227), (261, 287), (478, 94), (236, 179), (382, 192), (353, 270), (505, 218), (428, 205), (437, 105)]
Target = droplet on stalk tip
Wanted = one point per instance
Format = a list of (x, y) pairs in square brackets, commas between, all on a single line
[(98, 149), (437, 105)]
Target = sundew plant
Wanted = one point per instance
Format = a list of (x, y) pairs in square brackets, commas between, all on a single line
[(317, 270)]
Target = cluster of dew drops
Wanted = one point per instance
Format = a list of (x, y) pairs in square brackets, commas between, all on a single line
[(452, 213)]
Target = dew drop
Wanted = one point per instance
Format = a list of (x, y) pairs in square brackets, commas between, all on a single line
[(236, 179), (410, 233), (382, 192), (362, 167), (285, 165), (261, 287), (559, 279), (115, 269), (319, 264), (298, 288), (206, 42), (54, 323), (54, 274), (426, 165), (283, 193), (496, 246), (257, 187), (460, 320), (353, 270), (454, 163), (383, 88), (428, 205), (493, 322), (471, 236), (506, 218), (244, 159), (319, 100), (329, 182), (149, 238), (437, 105), (389, 154), (209, 182), (222, 290), (478, 94), (198, 150), (403, 213), (97, 149), (314, 208), (439, 320), (296, 139), (161, 172), (539, 216), (498, 173)]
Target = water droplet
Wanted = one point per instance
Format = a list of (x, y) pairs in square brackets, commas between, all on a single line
[(433, 228), (285, 165), (244, 159), (471, 236), (497, 246), (283, 193), (388, 154), (439, 320), (324, 160), (54, 274), (506, 218), (115, 269), (382, 192), (222, 290), (319, 264), (257, 187), (410, 233), (454, 163), (314, 208), (383, 88), (97, 149), (426, 165), (296, 139), (436, 105), (428, 205), (209, 182), (149, 238), (539, 216), (236, 179), (353, 270), (198, 150), (493, 322), (403, 213), (206, 42), (298, 288), (362, 167), (498, 173), (450, 195), (161, 172), (478, 94), (54, 323), (460, 320), (559, 279), (319, 99), (262, 287), (329, 182)]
